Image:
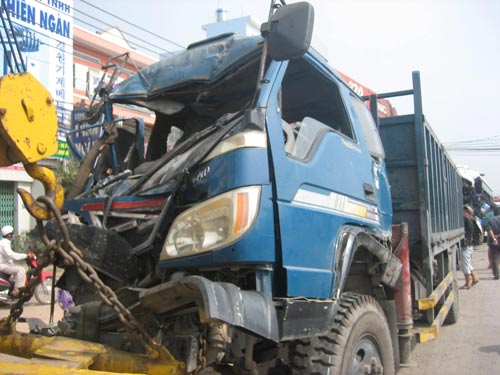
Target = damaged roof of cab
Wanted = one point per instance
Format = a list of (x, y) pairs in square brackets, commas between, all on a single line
[(203, 62)]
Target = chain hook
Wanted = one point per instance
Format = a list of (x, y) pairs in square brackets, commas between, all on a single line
[(53, 190)]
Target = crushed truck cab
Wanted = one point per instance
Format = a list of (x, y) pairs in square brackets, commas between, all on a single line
[(251, 223), (252, 226)]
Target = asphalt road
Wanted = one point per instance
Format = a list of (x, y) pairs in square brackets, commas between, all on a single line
[(472, 345), (469, 347), (32, 309)]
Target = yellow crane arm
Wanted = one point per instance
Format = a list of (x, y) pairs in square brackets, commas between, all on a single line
[(28, 133)]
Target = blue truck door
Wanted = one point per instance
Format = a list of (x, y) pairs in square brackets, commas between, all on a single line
[(323, 171)]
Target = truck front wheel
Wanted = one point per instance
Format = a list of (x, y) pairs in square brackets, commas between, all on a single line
[(358, 343)]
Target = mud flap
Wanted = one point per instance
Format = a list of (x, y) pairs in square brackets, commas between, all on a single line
[(250, 310), (393, 265)]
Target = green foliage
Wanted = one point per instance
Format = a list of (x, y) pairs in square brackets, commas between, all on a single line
[(66, 173), (26, 241), (20, 241)]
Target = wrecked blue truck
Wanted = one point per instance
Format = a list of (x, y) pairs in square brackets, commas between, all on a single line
[(260, 224)]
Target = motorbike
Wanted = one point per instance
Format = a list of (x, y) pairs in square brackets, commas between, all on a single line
[(43, 289)]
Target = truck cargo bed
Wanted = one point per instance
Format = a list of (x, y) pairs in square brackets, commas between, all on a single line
[(425, 184)]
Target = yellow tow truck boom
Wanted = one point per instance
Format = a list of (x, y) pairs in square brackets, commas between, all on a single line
[(28, 120), (28, 133)]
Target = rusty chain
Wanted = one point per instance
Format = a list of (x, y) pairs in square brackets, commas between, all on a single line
[(73, 256)]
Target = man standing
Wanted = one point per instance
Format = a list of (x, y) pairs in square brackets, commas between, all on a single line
[(470, 276), (7, 257), (493, 229)]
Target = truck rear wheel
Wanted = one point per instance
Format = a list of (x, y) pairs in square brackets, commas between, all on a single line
[(452, 316), (358, 343)]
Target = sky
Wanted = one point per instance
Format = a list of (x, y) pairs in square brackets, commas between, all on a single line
[(455, 44)]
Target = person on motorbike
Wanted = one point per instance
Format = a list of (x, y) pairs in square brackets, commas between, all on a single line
[(7, 257)]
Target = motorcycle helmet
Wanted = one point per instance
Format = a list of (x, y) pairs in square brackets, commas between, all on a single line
[(7, 230)]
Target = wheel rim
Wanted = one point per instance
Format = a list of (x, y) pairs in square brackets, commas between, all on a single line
[(43, 291), (366, 358)]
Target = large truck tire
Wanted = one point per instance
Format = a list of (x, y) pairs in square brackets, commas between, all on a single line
[(452, 316), (358, 343)]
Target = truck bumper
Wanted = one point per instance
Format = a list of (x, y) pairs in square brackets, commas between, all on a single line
[(216, 301)]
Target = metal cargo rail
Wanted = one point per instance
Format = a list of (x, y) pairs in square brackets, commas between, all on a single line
[(425, 184), (426, 193)]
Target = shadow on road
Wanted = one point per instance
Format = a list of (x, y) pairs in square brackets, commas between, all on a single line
[(490, 349)]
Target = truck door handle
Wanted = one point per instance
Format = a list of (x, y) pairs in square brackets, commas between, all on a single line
[(369, 193)]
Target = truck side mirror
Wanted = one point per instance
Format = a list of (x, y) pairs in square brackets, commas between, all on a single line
[(289, 31)]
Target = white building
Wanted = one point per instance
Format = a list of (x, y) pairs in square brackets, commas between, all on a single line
[(244, 25)]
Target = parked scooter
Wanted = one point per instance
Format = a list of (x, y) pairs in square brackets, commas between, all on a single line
[(42, 290)]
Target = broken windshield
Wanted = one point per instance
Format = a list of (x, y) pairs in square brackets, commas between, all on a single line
[(188, 92), (184, 104)]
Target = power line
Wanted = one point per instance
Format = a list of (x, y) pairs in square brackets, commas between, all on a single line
[(50, 38), (132, 24), (135, 44), (475, 151), (493, 137), (43, 43), (132, 43), (474, 146), (482, 146), (122, 31)]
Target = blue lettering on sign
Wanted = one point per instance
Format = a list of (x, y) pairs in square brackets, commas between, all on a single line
[(58, 26), (21, 11), (27, 13), (59, 5), (60, 82)]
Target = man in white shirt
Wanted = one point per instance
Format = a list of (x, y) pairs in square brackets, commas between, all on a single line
[(7, 257)]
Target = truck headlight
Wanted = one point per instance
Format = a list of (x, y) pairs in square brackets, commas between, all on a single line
[(214, 223)]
